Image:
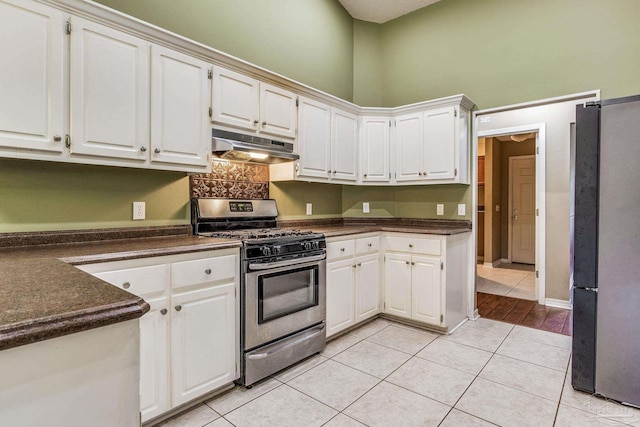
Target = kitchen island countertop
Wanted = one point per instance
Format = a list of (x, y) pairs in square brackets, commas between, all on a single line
[(44, 296)]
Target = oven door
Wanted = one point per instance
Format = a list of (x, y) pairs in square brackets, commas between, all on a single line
[(283, 300)]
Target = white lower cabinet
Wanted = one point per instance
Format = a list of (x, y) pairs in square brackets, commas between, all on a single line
[(426, 278), (202, 326), (353, 282), (189, 339)]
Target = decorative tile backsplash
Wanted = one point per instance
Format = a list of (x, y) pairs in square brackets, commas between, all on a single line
[(234, 180)]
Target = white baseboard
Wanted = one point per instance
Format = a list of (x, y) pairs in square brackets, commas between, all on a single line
[(493, 264), (558, 303), (475, 315)]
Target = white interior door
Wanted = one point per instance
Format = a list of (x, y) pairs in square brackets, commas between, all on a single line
[(522, 182)]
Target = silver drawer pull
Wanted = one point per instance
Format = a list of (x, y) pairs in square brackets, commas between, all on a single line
[(410, 245), (178, 307), (369, 244), (163, 311), (126, 285), (208, 271), (359, 264), (354, 266), (341, 249), (413, 263), (407, 262)]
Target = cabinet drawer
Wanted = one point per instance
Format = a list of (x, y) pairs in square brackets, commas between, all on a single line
[(367, 244), (188, 273), (139, 280), (417, 245), (340, 249)]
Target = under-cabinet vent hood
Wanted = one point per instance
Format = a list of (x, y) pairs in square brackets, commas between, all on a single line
[(247, 148)]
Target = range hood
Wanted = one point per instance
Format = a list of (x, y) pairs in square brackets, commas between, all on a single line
[(247, 148)]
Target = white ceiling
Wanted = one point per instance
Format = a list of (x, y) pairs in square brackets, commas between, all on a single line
[(381, 11)]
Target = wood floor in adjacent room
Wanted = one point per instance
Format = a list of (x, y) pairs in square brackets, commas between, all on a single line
[(525, 313)]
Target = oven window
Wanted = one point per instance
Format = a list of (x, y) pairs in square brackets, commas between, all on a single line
[(286, 292)]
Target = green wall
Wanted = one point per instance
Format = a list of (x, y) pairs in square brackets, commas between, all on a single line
[(501, 52), (310, 41), (39, 196), (497, 52)]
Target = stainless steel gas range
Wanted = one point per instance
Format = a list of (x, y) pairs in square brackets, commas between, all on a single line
[(283, 283)]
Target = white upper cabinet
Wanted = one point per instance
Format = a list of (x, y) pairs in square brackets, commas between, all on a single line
[(314, 139), (246, 104), (180, 126), (409, 147), (235, 99), (109, 92), (278, 111), (439, 143), (432, 146), (344, 145), (374, 146), (32, 88)]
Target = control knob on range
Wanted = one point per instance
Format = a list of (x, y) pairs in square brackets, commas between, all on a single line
[(306, 246), (266, 250), (277, 250), (315, 244)]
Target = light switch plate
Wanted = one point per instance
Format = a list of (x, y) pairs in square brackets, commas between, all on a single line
[(497, 208), (440, 209), (139, 211), (462, 209), (365, 207), (309, 208)]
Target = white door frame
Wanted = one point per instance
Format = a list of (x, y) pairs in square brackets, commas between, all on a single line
[(540, 130), (510, 202)]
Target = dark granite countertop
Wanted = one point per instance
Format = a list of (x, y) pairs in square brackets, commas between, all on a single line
[(44, 296), (344, 227)]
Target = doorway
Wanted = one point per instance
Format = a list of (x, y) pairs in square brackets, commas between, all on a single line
[(506, 215)]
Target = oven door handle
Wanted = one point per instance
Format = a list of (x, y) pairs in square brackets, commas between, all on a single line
[(275, 348), (286, 263)]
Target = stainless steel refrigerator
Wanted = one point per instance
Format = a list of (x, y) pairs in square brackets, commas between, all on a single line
[(606, 276)]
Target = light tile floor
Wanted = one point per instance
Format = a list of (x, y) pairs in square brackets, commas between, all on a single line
[(386, 374), (513, 280)]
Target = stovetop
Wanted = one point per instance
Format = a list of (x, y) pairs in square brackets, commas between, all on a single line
[(255, 234)]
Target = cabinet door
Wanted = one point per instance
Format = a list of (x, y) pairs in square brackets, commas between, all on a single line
[(180, 126), (367, 286), (425, 279), (154, 351), (344, 145), (203, 344), (278, 111), (439, 143), (340, 296), (375, 140), (314, 134), (409, 138), (31, 76), (235, 99), (397, 277), (109, 92)]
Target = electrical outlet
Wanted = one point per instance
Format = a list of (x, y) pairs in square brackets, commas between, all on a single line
[(309, 209), (139, 210), (440, 209), (462, 209), (365, 207)]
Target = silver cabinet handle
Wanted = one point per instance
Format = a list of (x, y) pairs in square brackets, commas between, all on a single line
[(407, 262), (413, 263), (410, 245), (207, 271), (359, 264), (143, 149), (163, 311), (369, 244), (424, 174), (57, 138), (341, 249), (157, 151), (365, 175), (419, 173), (178, 307), (264, 124), (255, 122), (354, 266), (126, 285)]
